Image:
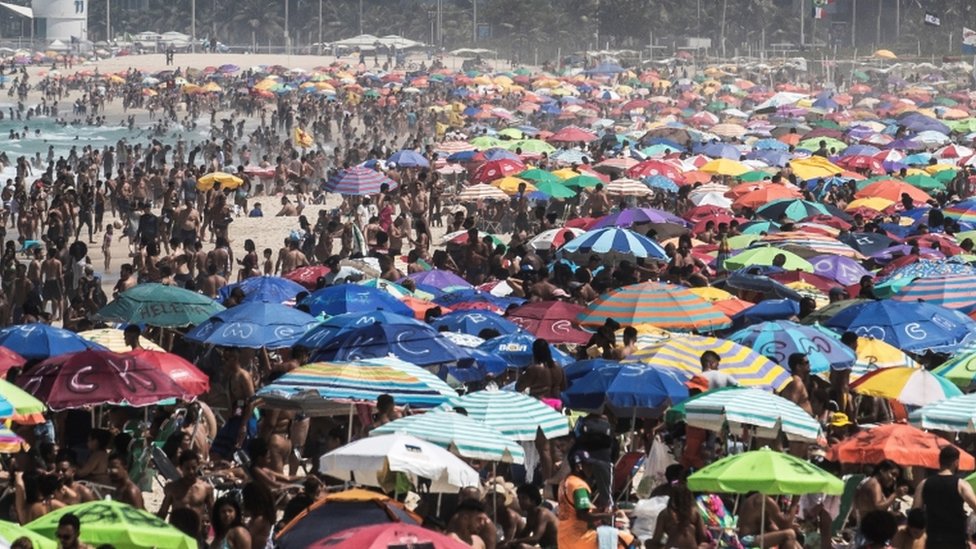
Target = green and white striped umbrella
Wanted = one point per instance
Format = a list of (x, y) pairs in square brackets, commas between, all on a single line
[(466, 437), (736, 407), (956, 415), (516, 415)]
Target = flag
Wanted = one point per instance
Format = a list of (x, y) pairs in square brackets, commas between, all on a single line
[(932, 19), (303, 139), (968, 41), (820, 8)]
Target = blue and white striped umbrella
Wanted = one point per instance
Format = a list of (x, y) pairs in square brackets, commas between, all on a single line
[(614, 244), (516, 415), (956, 415), (467, 437), (769, 413)]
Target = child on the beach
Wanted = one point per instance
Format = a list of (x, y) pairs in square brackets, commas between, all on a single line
[(268, 264), (107, 246)]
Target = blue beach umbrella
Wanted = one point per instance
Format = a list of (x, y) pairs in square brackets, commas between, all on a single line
[(614, 244), (473, 322), (353, 298), (420, 345), (272, 289), (777, 340), (909, 326), (516, 349), (254, 325), (627, 389), (325, 331), (407, 158), (440, 279), (38, 341)]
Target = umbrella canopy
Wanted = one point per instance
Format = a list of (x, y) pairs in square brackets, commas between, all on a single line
[(952, 291), (89, 378), (358, 181), (384, 536), (874, 354), (955, 415), (271, 289), (635, 216), (481, 191), (314, 386), (515, 415), (554, 321), (115, 523), (845, 271), (792, 208), (910, 386), (10, 531), (473, 322), (466, 437), (440, 279), (369, 460), (10, 359), (767, 255), (339, 511), (39, 341), (516, 349), (745, 366), (738, 407), (329, 329), (909, 326), (960, 369), (766, 472), (666, 306), (407, 158), (353, 298), (226, 181), (254, 325), (416, 344), (114, 340), (180, 370), (159, 305), (777, 340), (632, 389), (614, 244), (307, 276), (905, 445)]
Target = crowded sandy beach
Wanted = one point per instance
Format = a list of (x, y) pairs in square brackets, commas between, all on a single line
[(425, 300)]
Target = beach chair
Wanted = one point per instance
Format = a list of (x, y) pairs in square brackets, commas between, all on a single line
[(851, 482), (624, 470)]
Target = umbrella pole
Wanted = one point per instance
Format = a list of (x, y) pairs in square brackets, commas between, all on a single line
[(762, 517), (349, 437), (494, 500), (633, 428)]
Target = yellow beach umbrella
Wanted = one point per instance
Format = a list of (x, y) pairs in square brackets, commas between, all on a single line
[(226, 180), (724, 166), (114, 340)]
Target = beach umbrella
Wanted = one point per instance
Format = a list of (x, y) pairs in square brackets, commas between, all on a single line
[(327, 387), (358, 181), (11, 531), (473, 322), (38, 341), (743, 407), (180, 370), (909, 326), (516, 349), (481, 191), (636, 216), (866, 243), (391, 288), (614, 245), (874, 354), (384, 536), (844, 270), (767, 472), (253, 325), (627, 187), (159, 305), (765, 255), (333, 326), (421, 345), (537, 175), (10, 359), (559, 190), (893, 191), (407, 158), (462, 435), (369, 460), (554, 321), (440, 279), (572, 134), (340, 511), (89, 378), (725, 166), (793, 208), (954, 291), (496, 169), (114, 340), (353, 298), (906, 445), (808, 241), (117, 524), (553, 238), (632, 389), (271, 289), (225, 180), (930, 268), (583, 181), (954, 415), (476, 299), (307, 276), (779, 339), (663, 305), (651, 168), (515, 415), (910, 386), (744, 365)]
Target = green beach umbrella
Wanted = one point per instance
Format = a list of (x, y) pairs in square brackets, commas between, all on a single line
[(582, 181), (767, 472), (765, 256), (115, 523), (753, 176), (10, 531), (813, 144), (925, 182), (486, 142), (515, 415), (23, 402), (467, 437), (511, 133), (533, 146), (159, 305), (536, 176), (555, 190)]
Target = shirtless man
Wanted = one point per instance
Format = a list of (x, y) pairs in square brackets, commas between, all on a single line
[(287, 208), (189, 491), (796, 391), (188, 222), (211, 284), (597, 204), (541, 526), (290, 258), (126, 491), (779, 526), (870, 493), (53, 287), (71, 492), (126, 280)]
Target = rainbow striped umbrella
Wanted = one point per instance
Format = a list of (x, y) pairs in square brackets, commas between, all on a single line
[(358, 181), (952, 291), (962, 211), (910, 386), (683, 352), (314, 386), (666, 306), (10, 443), (874, 354), (961, 368)]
